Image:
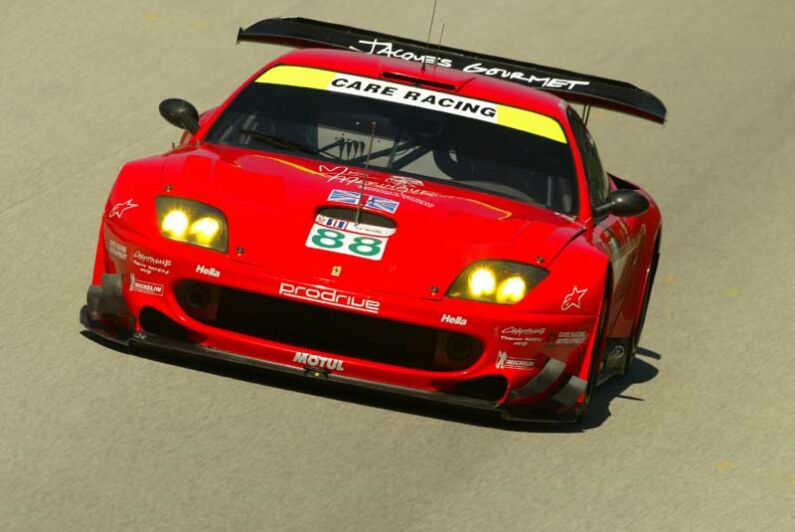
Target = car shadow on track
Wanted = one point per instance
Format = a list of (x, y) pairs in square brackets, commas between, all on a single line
[(641, 372)]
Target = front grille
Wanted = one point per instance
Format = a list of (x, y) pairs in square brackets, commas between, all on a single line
[(329, 330)]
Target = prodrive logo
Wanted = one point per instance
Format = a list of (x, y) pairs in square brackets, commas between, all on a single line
[(330, 296)]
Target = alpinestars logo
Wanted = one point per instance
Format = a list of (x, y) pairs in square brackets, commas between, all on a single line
[(454, 320), (210, 272), (331, 297), (573, 299)]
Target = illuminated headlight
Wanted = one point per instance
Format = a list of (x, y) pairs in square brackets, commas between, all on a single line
[(496, 281), (191, 222)]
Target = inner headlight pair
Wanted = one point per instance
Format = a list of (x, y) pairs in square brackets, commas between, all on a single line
[(496, 281), (192, 222)]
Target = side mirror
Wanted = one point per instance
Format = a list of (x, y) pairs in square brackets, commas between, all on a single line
[(623, 203), (180, 113)]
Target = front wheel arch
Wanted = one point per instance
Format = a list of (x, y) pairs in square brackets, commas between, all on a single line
[(594, 359)]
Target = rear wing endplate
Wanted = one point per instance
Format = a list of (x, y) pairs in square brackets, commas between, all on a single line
[(572, 86)]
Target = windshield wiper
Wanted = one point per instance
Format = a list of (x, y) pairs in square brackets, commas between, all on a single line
[(287, 144)]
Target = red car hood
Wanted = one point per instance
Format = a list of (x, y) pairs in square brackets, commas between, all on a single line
[(271, 200)]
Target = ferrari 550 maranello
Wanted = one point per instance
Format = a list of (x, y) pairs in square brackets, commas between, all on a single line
[(423, 221)]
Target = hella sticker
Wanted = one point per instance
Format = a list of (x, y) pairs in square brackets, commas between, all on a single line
[(209, 272), (453, 320)]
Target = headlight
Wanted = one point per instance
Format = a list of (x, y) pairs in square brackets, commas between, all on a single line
[(191, 222), (496, 281)]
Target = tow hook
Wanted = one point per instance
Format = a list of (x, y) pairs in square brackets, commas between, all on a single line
[(309, 371)]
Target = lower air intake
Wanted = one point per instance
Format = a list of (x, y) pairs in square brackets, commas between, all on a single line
[(346, 333)]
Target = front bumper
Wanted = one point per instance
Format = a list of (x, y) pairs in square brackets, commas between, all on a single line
[(126, 288), (549, 412)]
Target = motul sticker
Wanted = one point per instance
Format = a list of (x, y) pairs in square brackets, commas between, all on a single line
[(318, 362)]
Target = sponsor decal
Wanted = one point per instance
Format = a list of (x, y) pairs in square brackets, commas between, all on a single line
[(364, 247), (454, 320), (317, 361), (149, 264), (145, 287), (354, 177), (573, 299), (536, 81), (388, 49), (120, 208), (570, 337), (404, 181), (443, 102), (352, 227), (117, 250), (372, 202), (336, 271), (330, 296), (414, 96), (521, 336), (210, 272), (506, 362)]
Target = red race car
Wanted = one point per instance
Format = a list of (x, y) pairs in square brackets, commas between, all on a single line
[(418, 220)]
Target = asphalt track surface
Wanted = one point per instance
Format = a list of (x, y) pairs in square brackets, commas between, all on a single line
[(701, 436)]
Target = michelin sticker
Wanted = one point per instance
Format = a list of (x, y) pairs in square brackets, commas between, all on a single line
[(145, 287), (506, 362)]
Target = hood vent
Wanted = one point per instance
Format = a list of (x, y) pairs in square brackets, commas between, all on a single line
[(349, 215), (404, 78)]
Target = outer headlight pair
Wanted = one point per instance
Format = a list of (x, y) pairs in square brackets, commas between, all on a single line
[(191, 222), (496, 281)]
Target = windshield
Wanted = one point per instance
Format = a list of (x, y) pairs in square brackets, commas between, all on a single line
[(415, 132)]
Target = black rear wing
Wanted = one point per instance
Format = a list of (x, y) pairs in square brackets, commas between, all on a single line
[(572, 86)]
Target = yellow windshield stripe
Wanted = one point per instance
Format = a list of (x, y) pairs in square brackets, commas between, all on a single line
[(294, 76), (507, 116), (530, 122)]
